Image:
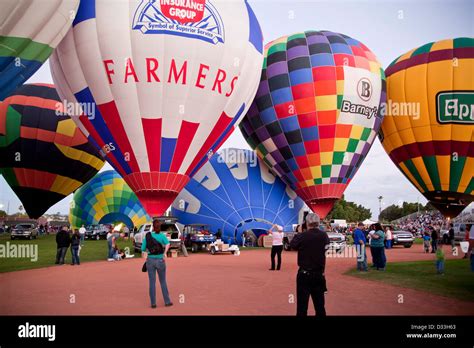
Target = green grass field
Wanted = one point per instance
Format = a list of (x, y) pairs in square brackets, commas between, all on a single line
[(457, 282), (93, 250)]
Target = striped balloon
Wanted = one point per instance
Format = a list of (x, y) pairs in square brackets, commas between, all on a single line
[(316, 113), (106, 198), (43, 155), (429, 128), (235, 192), (162, 85), (29, 31)]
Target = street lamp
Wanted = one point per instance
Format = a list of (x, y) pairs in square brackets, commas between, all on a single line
[(380, 204)]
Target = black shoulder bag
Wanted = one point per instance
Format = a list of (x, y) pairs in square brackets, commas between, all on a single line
[(154, 247)]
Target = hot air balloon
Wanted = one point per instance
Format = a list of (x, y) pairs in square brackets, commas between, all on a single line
[(43, 155), (106, 198), (236, 192), (162, 84), (428, 131), (316, 113), (29, 31)]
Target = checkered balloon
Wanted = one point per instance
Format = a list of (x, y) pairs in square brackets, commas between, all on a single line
[(316, 113)]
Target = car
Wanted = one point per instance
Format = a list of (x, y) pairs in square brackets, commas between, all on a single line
[(444, 236), (459, 232), (404, 238), (25, 230), (96, 232), (168, 226), (197, 237), (337, 241)]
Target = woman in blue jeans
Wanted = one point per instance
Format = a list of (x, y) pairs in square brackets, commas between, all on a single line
[(377, 247), (155, 263)]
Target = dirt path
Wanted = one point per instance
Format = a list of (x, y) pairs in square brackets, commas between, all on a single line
[(211, 285)]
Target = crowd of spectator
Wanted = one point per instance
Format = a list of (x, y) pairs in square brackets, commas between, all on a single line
[(420, 223)]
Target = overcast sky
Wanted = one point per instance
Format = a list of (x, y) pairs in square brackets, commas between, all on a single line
[(388, 28)]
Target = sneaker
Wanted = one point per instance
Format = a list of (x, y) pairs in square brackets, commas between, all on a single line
[(169, 304), (153, 306), (109, 259)]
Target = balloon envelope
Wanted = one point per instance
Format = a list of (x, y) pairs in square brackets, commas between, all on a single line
[(106, 198), (316, 113), (29, 31), (43, 154), (160, 86), (428, 131), (235, 192)]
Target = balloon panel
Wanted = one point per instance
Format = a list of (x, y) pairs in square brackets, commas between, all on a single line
[(429, 128)]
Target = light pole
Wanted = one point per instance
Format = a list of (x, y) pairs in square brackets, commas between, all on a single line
[(380, 205)]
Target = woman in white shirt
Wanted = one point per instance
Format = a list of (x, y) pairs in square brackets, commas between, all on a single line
[(277, 234)]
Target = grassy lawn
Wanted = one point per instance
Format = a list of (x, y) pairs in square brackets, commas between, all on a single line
[(418, 241), (92, 250), (457, 282)]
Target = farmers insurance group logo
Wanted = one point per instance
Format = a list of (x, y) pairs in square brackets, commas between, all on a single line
[(189, 18)]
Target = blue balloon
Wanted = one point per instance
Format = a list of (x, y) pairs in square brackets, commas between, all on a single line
[(235, 192)]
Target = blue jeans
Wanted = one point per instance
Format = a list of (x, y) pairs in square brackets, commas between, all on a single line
[(60, 255), (361, 258), (153, 266), (75, 255), (111, 250), (378, 254), (440, 266), (388, 244), (472, 262), (384, 258), (82, 238)]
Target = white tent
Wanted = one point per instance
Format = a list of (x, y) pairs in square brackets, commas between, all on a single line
[(368, 222)]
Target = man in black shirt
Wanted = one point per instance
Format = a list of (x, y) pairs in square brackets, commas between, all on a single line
[(451, 235), (434, 240), (310, 281), (62, 242)]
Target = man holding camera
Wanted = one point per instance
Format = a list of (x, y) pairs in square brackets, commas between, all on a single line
[(310, 281)]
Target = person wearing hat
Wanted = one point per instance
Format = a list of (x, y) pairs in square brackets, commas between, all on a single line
[(277, 245), (310, 281)]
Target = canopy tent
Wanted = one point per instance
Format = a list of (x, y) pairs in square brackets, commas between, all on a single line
[(368, 222)]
